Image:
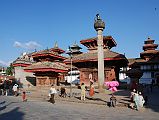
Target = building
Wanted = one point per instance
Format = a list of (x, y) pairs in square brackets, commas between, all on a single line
[(148, 63), (24, 78), (48, 67), (87, 63), (74, 74)]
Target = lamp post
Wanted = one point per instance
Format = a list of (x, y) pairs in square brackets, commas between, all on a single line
[(70, 54), (99, 26)]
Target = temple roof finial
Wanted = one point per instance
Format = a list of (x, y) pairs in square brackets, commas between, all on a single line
[(56, 45), (75, 43), (149, 38)]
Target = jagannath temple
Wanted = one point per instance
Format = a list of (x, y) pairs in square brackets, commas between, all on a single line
[(87, 63), (48, 67)]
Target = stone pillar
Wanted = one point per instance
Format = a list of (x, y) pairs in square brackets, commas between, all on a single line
[(99, 26), (100, 59)]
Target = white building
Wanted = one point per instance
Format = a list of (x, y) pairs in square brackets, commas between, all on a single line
[(25, 78)]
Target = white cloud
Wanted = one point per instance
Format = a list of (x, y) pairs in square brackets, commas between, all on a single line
[(18, 44), (31, 45)]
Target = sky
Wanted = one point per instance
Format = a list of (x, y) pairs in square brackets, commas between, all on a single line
[(26, 25)]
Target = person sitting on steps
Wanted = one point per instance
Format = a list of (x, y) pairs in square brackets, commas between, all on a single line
[(63, 92), (113, 101)]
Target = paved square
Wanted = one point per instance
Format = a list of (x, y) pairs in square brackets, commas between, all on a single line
[(14, 109)]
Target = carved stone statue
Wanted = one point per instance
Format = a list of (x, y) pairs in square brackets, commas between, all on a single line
[(98, 17)]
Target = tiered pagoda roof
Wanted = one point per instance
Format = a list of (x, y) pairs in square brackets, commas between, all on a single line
[(48, 60), (91, 43), (48, 55), (47, 66), (56, 49), (74, 50), (23, 61), (92, 55), (51, 54), (149, 49), (149, 56)]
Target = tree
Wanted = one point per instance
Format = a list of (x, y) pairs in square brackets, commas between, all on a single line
[(9, 70)]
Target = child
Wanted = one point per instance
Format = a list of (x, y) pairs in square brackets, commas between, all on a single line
[(83, 91), (24, 96)]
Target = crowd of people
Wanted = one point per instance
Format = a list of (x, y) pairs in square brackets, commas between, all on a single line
[(62, 92), (9, 88), (137, 99)]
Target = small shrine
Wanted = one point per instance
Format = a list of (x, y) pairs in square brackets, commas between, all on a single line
[(49, 67), (87, 63)]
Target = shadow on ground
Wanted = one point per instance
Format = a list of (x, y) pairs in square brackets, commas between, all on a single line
[(152, 102), (12, 115)]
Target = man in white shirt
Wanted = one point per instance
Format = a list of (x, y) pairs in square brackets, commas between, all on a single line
[(15, 89)]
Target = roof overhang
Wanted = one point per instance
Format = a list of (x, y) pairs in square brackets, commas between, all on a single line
[(45, 70), (20, 64)]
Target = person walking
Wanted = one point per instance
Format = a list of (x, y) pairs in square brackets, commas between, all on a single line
[(132, 95), (91, 92), (2, 88), (6, 87), (52, 93), (83, 91), (141, 100), (15, 89), (136, 100), (24, 96)]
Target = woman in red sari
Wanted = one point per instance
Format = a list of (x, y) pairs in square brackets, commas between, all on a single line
[(91, 92)]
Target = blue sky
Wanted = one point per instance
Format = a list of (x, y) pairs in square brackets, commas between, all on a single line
[(26, 25)]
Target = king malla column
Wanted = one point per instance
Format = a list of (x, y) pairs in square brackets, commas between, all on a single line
[(99, 26)]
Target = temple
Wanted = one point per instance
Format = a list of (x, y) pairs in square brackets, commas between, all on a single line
[(87, 63), (73, 74), (48, 67), (148, 63)]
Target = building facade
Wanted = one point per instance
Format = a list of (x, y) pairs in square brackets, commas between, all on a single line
[(148, 63), (87, 63), (24, 78), (48, 67)]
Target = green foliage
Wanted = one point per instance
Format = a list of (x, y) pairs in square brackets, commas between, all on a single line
[(9, 70)]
